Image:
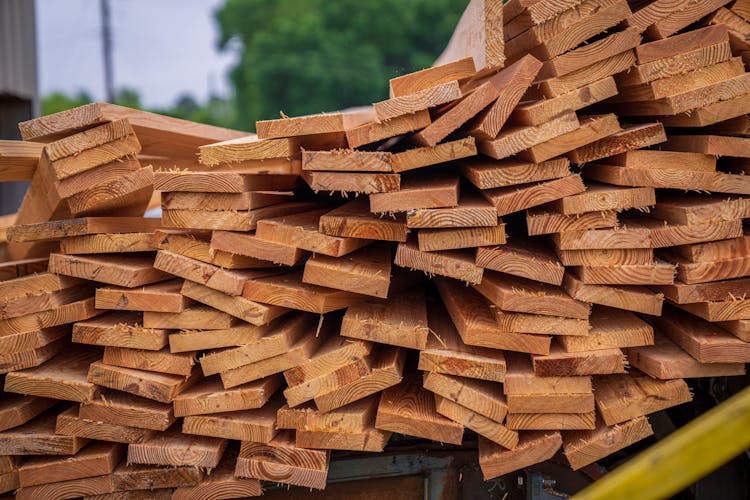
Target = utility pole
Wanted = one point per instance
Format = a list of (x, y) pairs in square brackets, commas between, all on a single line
[(109, 80)]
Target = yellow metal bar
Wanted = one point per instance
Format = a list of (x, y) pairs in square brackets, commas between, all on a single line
[(682, 458)]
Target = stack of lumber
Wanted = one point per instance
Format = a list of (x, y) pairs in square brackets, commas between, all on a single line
[(538, 239)]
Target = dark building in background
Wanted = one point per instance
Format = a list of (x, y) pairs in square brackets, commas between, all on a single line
[(18, 82)]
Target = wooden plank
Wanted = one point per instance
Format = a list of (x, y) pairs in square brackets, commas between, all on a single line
[(164, 296), (256, 425), (63, 377), (511, 293), (151, 385), (430, 240), (121, 329), (649, 13), (68, 313), (417, 101), (250, 200), (355, 417), (347, 160), (657, 273), (600, 239), (161, 361), (561, 85), (16, 409), (482, 397), (251, 246), (593, 128), (267, 342), (456, 264), (605, 257), (97, 485), (134, 478), (525, 259), (30, 304), (627, 297), (302, 231), (551, 421), (221, 182), (37, 437), (536, 12), (416, 193), (221, 484), (128, 195), (379, 130), (704, 341), (289, 291), (669, 178), (697, 209), (209, 396), (323, 123), (488, 174), (734, 126), (31, 358), (676, 21), (387, 371), (244, 149), (230, 220), (97, 459), (333, 378), (108, 243), (334, 353), (399, 321), (533, 447), (281, 461), (539, 111), (511, 83), (199, 248), (82, 226), (471, 211), (358, 182), (229, 282), (587, 54), (18, 160), (710, 144), (711, 114), (582, 448), (430, 77), (542, 221), (512, 199), (480, 424), (564, 364), (648, 159), (93, 157), (297, 354), (624, 397), (238, 306), (665, 360), (610, 328), (200, 340), (633, 137), (121, 408), (409, 409), (69, 424), (447, 353), (703, 272), (515, 139), (372, 439), (412, 159), (668, 235), (366, 271), (520, 379), (682, 293), (567, 30), (602, 197), (128, 270), (176, 449), (354, 220)]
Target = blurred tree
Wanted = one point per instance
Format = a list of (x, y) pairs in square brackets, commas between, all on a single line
[(308, 56), (57, 101), (128, 97)]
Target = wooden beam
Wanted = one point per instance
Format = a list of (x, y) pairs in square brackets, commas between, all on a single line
[(282, 462), (289, 291), (409, 409), (582, 448), (174, 448), (221, 482), (488, 174), (347, 160), (692, 210), (16, 409), (256, 425), (412, 159), (380, 130), (198, 247), (252, 246), (97, 459), (97, 485), (456, 264), (121, 408), (366, 271), (593, 128), (249, 200), (69, 424), (430, 77), (542, 221), (682, 293), (551, 421), (38, 437), (482, 397), (152, 385), (620, 398), (602, 239), (605, 257), (221, 182), (323, 123), (145, 478), (76, 227), (68, 313), (610, 328), (471, 211), (237, 306), (354, 220), (480, 424), (123, 270), (633, 137), (417, 101), (357, 182), (208, 396), (512, 199), (161, 361), (120, 329), (525, 259), (657, 273), (108, 243), (430, 240), (532, 448), (515, 139), (561, 85), (164, 296), (691, 13), (627, 297), (564, 364)]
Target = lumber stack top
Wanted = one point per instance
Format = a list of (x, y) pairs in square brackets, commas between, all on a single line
[(532, 245)]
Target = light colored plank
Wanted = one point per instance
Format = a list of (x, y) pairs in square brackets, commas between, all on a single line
[(176, 449), (532, 448)]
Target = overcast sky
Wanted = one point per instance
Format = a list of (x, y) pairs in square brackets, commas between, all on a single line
[(162, 48)]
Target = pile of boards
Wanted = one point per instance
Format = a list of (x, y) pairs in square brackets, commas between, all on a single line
[(537, 239)]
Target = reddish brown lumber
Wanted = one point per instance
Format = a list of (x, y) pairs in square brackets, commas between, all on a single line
[(665, 360), (488, 174), (682, 293), (430, 77), (585, 447), (533, 447), (551, 421), (77, 227), (16, 409), (121, 329), (69, 424), (480, 424), (456, 264), (135, 479), (593, 128), (256, 425), (417, 101), (701, 209), (38, 437), (108, 243), (221, 484), (126, 409), (541, 221), (453, 239), (415, 158), (157, 386), (198, 247), (610, 328), (128, 270), (97, 485), (323, 123), (524, 259), (676, 21), (605, 257), (377, 131), (478, 34), (628, 297), (161, 361), (480, 396), (633, 137), (252, 246), (354, 220), (347, 160), (164, 296), (657, 273), (176, 449), (433, 192), (209, 396), (96, 459), (357, 182), (289, 291), (238, 306), (515, 139), (562, 364), (561, 85)]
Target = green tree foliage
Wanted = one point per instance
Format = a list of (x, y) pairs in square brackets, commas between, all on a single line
[(309, 56), (57, 101)]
